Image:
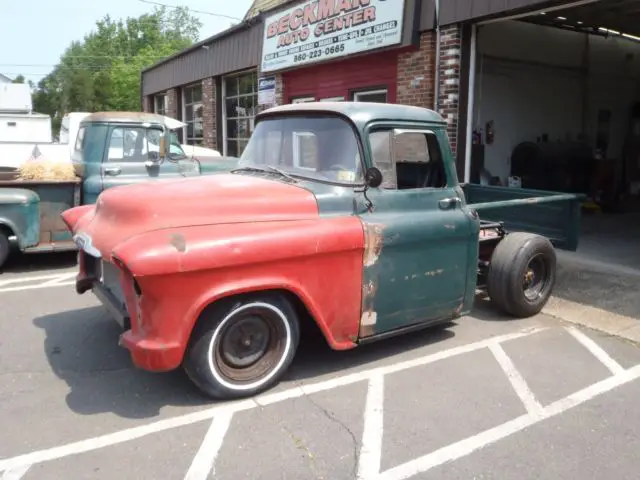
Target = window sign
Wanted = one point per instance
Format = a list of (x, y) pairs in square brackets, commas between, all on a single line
[(320, 30), (267, 91)]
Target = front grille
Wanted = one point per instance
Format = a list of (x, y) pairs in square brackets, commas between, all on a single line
[(110, 278)]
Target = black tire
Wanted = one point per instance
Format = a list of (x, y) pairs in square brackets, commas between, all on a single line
[(5, 248), (212, 351), (522, 274)]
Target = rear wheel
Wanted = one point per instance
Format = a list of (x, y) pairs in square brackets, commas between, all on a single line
[(244, 347), (4, 248), (522, 274)]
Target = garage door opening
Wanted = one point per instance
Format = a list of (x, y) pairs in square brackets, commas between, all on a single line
[(556, 106)]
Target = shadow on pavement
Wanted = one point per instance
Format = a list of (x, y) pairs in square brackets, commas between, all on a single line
[(605, 271), (82, 349), (36, 262)]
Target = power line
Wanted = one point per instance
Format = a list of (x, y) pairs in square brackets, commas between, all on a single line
[(191, 10)]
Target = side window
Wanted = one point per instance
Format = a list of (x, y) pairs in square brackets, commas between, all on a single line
[(134, 144), (408, 159), (80, 140), (305, 150), (381, 143), (79, 145)]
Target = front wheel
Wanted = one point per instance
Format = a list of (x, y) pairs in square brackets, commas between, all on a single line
[(244, 347), (522, 274)]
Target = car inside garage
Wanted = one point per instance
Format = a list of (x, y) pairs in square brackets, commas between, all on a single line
[(556, 106)]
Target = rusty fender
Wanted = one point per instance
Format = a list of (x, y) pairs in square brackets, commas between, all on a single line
[(373, 243), (320, 261), (75, 217)]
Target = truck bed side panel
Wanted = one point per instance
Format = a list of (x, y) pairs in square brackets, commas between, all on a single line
[(551, 214)]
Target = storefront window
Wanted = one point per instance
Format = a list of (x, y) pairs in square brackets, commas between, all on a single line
[(241, 100), (193, 115), (160, 104), (376, 96)]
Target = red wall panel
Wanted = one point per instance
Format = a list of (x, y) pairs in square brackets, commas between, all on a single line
[(339, 79)]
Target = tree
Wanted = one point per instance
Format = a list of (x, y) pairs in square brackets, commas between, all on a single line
[(19, 79), (102, 71)]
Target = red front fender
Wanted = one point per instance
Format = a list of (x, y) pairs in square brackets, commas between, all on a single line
[(73, 215)]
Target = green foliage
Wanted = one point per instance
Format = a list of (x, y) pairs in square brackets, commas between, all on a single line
[(19, 79), (102, 72)]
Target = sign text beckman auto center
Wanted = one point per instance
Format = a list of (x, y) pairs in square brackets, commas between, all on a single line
[(326, 29)]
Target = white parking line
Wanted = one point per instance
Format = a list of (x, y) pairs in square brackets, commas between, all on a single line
[(35, 287), (133, 433), (596, 350), (37, 278), (16, 473), (517, 381), (20, 284), (476, 442), (369, 463), (202, 466), (371, 450)]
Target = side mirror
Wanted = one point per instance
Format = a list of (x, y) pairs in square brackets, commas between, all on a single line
[(373, 177)]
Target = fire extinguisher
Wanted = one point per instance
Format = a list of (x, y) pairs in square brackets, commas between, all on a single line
[(489, 132)]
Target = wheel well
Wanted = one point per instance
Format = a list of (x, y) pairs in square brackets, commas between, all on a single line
[(308, 324), (6, 229)]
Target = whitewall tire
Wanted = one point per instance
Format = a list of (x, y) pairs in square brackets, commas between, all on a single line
[(243, 347)]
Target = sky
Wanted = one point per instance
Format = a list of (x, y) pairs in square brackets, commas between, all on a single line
[(35, 33)]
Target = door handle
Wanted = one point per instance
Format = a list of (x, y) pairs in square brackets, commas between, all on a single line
[(448, 203), (112, 171)]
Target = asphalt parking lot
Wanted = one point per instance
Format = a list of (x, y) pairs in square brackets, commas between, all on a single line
[(483, 398)]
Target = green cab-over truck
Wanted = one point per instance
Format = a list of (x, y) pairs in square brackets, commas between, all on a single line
[(111, 149)]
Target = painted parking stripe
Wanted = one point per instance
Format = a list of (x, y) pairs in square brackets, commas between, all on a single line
[(596, 350), (516, 379), (476, 442), (370, 457), (16, 473), (202, 465), (39, 278), (36, 287), (134, 433)]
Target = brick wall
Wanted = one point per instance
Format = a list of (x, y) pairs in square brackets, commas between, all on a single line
[(209, 112), (172, 103), (450, 59), (416, 74)]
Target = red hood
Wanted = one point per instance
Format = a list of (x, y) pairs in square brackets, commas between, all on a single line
[(213, 199)]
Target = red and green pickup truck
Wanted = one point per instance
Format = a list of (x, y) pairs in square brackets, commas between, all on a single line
[(348, 216)]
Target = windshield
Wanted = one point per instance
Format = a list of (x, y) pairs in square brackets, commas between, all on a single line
[(323, 148)]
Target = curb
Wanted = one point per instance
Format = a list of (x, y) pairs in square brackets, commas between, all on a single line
[(594, 318)]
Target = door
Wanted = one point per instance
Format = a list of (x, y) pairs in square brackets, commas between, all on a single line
[(420, 242), (128, 154)]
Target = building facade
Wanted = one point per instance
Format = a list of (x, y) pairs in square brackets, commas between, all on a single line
[(397, 51)]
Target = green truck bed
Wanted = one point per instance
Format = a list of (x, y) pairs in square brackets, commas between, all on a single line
[(552, 214)]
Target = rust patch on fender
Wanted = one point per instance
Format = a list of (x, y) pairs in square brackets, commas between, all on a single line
[(369, 316), (373, 242), (178, 242)]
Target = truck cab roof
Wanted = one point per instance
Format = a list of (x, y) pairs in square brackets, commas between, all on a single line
[(129, 117), (361, 113)]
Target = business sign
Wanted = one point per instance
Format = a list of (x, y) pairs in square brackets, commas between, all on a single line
[(267, 91), (319, 30)]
